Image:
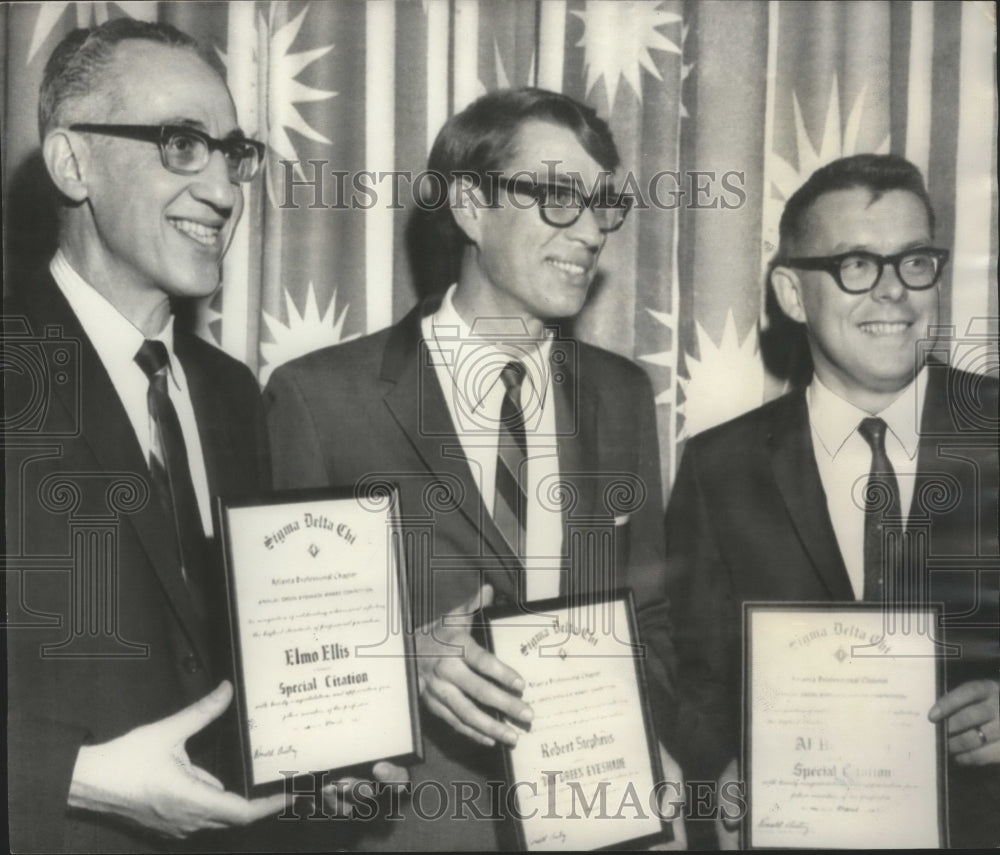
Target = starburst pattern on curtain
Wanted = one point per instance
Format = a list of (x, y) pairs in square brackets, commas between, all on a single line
[(617, 40)]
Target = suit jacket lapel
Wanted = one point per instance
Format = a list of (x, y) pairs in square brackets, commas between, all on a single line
[(576, 427), (793, 463), (108, 433), (935, 423), (942, 423), (417, 403), (210, 412)]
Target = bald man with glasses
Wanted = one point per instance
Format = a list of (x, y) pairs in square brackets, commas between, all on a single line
[(113, 449), (506, 438)]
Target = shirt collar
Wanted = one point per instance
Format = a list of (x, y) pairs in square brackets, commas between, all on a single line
[(903, 415), (476, 355), (114, 337), (834, 419)]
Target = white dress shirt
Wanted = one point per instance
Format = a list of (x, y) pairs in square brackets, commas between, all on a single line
[(117, 341), (468, 366), (844, 459)]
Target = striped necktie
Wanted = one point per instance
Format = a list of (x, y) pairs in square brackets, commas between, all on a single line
[(510, 502)]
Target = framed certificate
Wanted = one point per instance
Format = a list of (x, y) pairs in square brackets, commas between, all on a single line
[(837, 743), (587, 773), (324, 673)]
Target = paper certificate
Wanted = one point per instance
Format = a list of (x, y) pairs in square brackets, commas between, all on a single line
[(838, 746), (324, 679), (587, 772)]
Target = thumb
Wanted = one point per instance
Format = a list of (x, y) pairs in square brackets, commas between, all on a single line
[(206, 777), (201, 713), (462, 614), (485, 598)]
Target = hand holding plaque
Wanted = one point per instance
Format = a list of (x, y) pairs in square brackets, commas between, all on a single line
[(457, 675), (586, 771), (146, 778), (324, 672), (971, 712), (838, 744)]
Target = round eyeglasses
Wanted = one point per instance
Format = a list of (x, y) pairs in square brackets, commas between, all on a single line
[(561, 205), (186, 150), (859, 271)]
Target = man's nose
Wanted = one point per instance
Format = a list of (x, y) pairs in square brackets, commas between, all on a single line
[(586, 230), (889, 286), (214, 186)]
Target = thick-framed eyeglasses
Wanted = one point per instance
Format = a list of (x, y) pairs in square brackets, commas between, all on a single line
[(187, 150), (859, 271), (561, 205)]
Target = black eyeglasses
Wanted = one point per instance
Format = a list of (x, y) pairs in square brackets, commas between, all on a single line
[(859, 271), (187, 150), (561, 205)]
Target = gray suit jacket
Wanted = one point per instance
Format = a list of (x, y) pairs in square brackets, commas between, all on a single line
[(373, 409)]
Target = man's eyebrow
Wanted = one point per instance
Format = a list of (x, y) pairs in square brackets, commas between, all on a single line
[(841, 248), (577, 181), (184, 122)]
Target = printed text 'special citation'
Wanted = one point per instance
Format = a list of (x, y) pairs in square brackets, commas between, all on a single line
[(838, 747), (587, 772), (324, 679)]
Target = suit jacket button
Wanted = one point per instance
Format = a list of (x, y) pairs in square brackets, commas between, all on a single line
[(190, 664)]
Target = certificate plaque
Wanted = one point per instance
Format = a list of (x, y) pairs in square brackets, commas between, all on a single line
[(586, 774), (838, 748), (324, 674)]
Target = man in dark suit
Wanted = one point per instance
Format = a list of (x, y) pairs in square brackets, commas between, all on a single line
[(118, 429), (509, 443), (763, 510)]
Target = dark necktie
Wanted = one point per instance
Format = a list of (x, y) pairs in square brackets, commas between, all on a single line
[(881, 504), (171, 474), (509, 502)]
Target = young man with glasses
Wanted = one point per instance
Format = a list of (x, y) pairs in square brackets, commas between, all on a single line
[(116, 635), (764, 508), (504, 437)]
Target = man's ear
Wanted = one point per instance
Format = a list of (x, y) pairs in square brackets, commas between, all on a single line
[(66, 156), (467, 204), (788, 292)]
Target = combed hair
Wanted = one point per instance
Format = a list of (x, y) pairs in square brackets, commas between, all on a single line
[(877, 173), (481, 139), (478, 143), (78, 65)]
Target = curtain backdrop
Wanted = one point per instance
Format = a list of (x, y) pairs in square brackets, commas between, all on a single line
[(720, 110)]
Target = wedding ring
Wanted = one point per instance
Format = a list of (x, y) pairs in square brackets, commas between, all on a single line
[(981, 735)]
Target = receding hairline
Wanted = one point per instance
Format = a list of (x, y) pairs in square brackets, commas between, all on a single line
[(108, 94), (113, 73)]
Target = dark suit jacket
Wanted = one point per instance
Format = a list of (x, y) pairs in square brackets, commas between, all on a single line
[(748, 520), (103, 633), (373, 409)]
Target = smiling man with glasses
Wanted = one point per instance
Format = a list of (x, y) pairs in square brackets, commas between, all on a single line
[(857, 272), (115, 693), (504, 435), (772, 506), (562, 203), (187, 150)]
